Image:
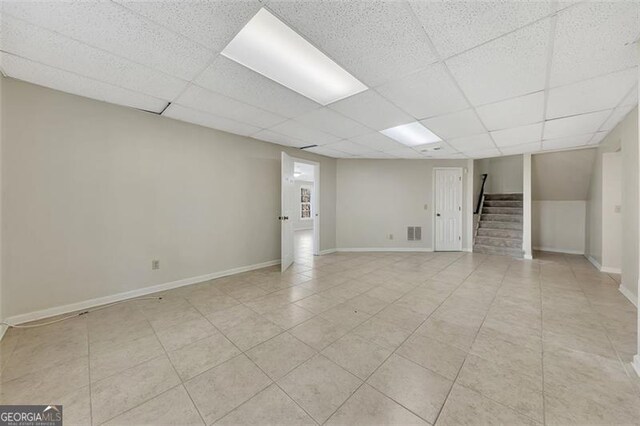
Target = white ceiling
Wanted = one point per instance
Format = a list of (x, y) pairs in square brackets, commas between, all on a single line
[(489, 77)]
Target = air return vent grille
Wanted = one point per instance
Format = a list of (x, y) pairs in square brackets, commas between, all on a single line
[(414, 233)]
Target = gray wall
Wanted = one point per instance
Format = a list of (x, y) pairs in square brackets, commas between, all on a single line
[(623, 137), (376, 198), (93, 192)]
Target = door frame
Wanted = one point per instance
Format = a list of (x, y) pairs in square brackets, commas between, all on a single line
[(315, 202), (433, 213)]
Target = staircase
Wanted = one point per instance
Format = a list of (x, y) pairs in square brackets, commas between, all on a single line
[(500, 226)]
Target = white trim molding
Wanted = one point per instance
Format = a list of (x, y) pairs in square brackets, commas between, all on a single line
[(557, 250), (327, 251), (92, 303), (611, 270), (527, 257), (390, 249), (628, 294), (636, 364), (593, 262)]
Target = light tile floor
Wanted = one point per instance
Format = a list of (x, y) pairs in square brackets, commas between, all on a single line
[(348, 338)]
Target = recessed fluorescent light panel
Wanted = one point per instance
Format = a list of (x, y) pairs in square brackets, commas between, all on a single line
[(268, 46), (412, 134)]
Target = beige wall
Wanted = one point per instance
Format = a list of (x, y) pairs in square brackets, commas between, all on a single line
[(623, 137), (611, 216), (93, 192), (504, 175), (376, 198), (558, 226)]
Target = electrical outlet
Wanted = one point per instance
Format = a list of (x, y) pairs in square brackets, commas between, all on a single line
[(391, 236), (155, 264)]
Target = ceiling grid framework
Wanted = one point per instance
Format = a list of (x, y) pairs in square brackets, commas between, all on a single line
[(469, 71)]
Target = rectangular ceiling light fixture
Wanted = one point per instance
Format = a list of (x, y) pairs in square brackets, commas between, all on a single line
[(411, 134), (268, 46)]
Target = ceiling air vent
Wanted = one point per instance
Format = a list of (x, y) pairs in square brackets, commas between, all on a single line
[(414, 233)]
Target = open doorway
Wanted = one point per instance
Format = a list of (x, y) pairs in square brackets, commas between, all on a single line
[(304, 211), (299, 214)]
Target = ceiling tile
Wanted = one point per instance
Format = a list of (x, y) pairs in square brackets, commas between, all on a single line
[(238, 82), (331, 122), (371, 109), (567, 142), (208, 120), (424, 94), (377, 155), (472, 143), (457, 26), (518, 135), (212, 23), (306, 134), (375, 41), (616, 117), (485, 153), (349, 147), (43, 75), (109, 26), (514, 112), (323, 150), (526, 148), (441, 149), (280, 139), (49, 48), (204, 100), (377, 141), (596, 94), (594, 38), (458, 124), (405, 153), (631, 98), (576, 125), (510, 66)]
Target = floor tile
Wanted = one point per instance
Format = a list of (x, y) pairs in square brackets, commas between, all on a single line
[(130, 388), (116, 359), (288, 316), (319, 332), (433, 354), (510, 387), (466, 407), (382, 333), (187, 332), (280, 355), (402, 317), (269, 407), (173, 407), (219, 390), (367, 407), (416, 388), (319, 386), (357, 355), (197, 357), (316, 303), (252, 331)]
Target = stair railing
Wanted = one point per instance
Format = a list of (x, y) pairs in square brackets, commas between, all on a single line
[(480, 198), (478, 210)]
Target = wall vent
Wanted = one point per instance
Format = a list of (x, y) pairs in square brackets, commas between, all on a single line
[(414, 233)]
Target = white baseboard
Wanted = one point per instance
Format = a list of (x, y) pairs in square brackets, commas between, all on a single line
[(593, 262), (609, 270), (3, 329), (73, 307), (527, 257), (636, 364), (390, 249), (327, 251), (559, 250), (629, 295)]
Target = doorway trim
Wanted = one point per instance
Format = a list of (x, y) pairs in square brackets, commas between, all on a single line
[(433, 209), (315, 202)]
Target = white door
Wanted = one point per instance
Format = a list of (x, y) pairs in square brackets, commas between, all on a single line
[(287, 209), (448, 209)]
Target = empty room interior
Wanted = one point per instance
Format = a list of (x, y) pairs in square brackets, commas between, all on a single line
[(305, 212)]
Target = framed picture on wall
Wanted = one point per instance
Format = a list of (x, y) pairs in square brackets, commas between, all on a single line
[(305, 203)]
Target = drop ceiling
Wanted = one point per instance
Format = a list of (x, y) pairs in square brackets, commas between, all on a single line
[(489, 78)]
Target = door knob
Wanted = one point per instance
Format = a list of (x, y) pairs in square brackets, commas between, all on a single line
[(438, 214), (286, 218)]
